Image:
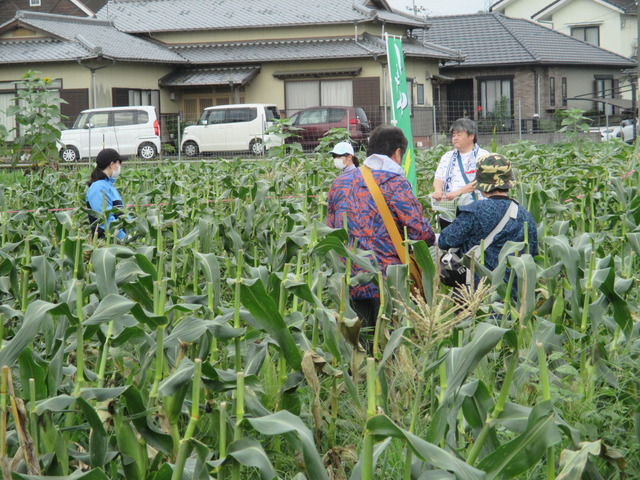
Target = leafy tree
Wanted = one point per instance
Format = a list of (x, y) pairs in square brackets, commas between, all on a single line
[(38, 120), (574, 123)]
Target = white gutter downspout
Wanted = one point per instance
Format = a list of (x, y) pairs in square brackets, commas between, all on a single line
[(93, 79)]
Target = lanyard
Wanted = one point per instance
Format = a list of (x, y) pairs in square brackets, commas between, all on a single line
[(456, 158)]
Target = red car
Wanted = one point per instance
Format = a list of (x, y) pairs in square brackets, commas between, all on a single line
[(314, 122)]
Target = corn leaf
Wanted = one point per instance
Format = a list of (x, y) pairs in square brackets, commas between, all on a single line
[(523, 452)]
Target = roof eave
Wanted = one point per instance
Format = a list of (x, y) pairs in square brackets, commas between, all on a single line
[(540, 62)]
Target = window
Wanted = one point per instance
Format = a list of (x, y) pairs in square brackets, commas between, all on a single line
[(495, 96), (215, 116), (302, 94), (237, 115), (420, 93), (590, 34), (98, 120), (552, 92), (564, 91), (123, 97), (123, 118), (34, 3), (603, 86), (314, 116)]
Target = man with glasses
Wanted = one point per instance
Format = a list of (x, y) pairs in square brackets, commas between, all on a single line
[(457, 168)]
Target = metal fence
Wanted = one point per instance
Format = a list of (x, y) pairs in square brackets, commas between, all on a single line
[(430, 125)]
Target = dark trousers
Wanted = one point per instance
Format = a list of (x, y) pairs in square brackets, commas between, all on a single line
[(367, 310), (443, 222)]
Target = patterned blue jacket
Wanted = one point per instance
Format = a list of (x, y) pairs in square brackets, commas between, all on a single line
[(475, 222), (349, 196), (104, 191)]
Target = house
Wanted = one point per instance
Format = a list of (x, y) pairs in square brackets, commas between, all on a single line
[(184, 55), (90, 62), (610, 24), (516, 68), (79, 8)]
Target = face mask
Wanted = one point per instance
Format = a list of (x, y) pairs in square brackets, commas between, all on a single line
[(338, 162), (115, 173)]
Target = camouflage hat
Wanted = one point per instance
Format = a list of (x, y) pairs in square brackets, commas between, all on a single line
[(494, 171)]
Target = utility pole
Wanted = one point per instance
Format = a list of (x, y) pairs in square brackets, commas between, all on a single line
[(636, 75)]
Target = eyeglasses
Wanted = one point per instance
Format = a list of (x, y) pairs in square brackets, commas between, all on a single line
[(336, 155)]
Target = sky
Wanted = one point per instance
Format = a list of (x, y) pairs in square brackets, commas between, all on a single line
[(442, 7)]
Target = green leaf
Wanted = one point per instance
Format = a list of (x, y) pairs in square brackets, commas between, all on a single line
[(54, 404), (112, 307), (104, 264), (525, 268), (30, 369), (573, 463), (44, 276), (460, 363), (523, 452), (211, 269), (255, 299), (285, 422), (36, 313), (102, 394), (378, 449), (250, 453), (134, 455), (97, 436), (621, 312), (382, 427), (140, 418), (424, 260), (94, 474)]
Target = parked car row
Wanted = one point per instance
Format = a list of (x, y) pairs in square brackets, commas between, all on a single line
[(225, 128)]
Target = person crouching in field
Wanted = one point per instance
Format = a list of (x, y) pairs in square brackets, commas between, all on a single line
[(475, 221)]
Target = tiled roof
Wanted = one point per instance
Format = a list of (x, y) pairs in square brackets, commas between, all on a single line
[(629, 6), (142, 16), (284, 50), (494, 39), (209, 76), (36, 51), (85, 38)]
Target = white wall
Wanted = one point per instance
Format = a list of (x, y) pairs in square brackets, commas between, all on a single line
[(617, 32)]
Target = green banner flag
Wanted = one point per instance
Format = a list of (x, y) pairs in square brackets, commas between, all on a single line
[(400, 105)]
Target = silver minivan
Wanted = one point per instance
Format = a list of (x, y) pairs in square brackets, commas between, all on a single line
[(130, 130), (232, 128)]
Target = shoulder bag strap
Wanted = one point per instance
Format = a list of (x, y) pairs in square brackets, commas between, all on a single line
[(464, 175), (512, 212), (383, 208)]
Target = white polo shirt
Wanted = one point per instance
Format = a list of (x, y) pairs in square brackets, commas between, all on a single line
[(449, 172)]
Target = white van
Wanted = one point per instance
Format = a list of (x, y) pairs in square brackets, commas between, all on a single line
[(130, 130), (231, 128)]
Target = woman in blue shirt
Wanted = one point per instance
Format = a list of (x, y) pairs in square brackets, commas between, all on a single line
[(102, 195)]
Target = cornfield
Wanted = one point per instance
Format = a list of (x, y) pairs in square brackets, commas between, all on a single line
[(219, 342)]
